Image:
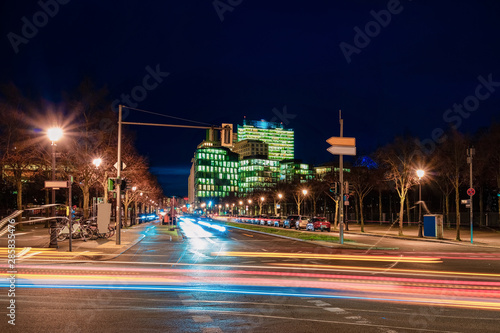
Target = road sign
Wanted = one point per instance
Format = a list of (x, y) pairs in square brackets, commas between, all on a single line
[(471, 192), (465, 202), (278, 206), (123, 165), (56, 184), (342, 150), (342, 141)]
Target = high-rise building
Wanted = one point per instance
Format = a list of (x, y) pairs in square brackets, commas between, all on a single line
[(257, 174), (280, 140), (248, 148), (215, 173)]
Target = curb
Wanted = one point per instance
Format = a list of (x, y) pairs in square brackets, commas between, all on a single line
[(319, 243)]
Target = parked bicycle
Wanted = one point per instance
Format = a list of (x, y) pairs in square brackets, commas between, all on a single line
[(92, 230)]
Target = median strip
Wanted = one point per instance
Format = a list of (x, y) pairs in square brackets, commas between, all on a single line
[(287, 233)]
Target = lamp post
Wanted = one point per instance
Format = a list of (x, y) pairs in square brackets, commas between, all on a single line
[(54, 134), (260, 204), (304, 192), (249, 203), (420, 174), (280, 196)]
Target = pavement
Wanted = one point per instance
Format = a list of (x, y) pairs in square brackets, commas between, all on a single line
[(480, 236), (34, 240)]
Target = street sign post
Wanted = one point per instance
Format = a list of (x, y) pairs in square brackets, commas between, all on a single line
[(341, 146)]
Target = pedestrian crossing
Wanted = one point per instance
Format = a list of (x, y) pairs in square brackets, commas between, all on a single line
[(34, 253)]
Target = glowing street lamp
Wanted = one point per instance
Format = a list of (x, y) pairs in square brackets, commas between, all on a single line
[(420, 174), (97, 162), (54, 134)]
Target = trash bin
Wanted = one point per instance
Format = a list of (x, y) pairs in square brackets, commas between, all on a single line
[(433, 225)]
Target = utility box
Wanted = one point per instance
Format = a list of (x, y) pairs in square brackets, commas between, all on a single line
[(433, 225)]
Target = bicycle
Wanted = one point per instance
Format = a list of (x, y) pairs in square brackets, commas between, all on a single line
[(90, 227)]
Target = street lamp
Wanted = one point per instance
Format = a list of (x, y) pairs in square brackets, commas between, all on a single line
[(260, 204), (420, 174), (304, 192), (54, 134), (97, 162)]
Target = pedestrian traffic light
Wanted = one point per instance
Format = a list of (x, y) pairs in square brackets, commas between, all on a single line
[(334, 187), (111, 184)]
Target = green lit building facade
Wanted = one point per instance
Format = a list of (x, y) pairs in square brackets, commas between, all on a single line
[(280, 139), (257, 174), (215, 173), (294, 171)]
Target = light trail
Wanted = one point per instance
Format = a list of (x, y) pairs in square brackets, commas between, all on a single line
[(427, 260)]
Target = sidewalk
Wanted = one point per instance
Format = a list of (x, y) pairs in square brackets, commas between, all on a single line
[(36, 236), (481, 236)]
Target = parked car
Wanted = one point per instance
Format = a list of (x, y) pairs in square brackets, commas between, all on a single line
[(290, 221), (319, 223), (302, 223)]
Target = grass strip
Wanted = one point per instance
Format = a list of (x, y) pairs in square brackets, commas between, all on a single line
[(287, 233)]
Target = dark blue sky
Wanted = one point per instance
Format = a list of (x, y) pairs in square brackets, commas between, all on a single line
[(264, 56)]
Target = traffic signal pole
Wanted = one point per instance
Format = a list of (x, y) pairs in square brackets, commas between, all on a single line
[(341, 181), (118, 180), (227, 132)]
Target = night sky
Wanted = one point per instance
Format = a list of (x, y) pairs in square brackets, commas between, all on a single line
[(394, 68)]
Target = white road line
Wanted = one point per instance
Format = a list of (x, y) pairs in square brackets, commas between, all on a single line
[(202, 319), (319, 303), (335, 310), (212, 329), (264, 250)]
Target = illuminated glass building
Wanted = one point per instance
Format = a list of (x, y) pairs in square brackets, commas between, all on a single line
[(215, 173), (279, 139), (257, 174), (294, 171)]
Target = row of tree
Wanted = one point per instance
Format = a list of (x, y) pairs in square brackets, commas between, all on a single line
[(392, 169), (87, 151)]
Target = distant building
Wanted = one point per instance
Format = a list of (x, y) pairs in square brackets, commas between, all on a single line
[(257, 174), (215, 173), (248, 148), (279, 139), (294, 171), (321, 171)]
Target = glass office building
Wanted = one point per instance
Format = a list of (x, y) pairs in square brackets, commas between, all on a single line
[(280, 139), (257, 174), (216, 173)]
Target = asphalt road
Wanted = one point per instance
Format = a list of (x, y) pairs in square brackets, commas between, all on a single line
[(238, 281)]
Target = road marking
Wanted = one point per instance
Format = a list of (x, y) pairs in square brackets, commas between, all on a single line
[(202, 319), (264, 250), (212, 329), (248, 235), (335, 310), (319, 303)]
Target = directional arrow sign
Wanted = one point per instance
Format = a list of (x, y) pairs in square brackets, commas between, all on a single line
[(342, 150), (56, 184), (341, 141), (123, 165)]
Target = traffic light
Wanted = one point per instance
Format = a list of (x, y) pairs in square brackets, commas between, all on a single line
[(334, 187), (348, 188), (111, 184)]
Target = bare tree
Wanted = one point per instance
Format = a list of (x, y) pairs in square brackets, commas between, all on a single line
[(452, 165), (399, 159), (363, 183)]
